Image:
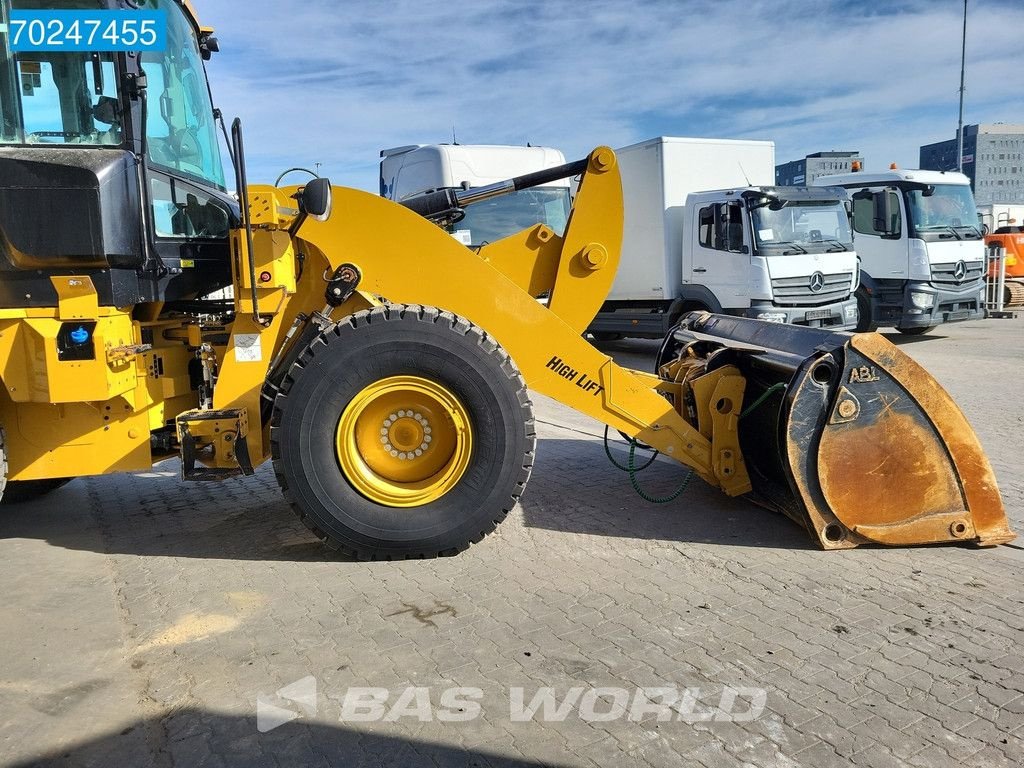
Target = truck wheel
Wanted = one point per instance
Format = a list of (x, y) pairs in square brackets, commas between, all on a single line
[(405, 431), (864, 323), (915, 331)]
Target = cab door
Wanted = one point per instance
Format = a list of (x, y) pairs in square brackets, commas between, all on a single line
[(721, 255), (881, 246)]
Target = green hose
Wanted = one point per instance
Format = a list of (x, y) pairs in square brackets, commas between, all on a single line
[(616, 464), (760, 401), (643, 494), (633, 470)]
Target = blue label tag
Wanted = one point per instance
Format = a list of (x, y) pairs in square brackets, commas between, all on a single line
[(87, 31)]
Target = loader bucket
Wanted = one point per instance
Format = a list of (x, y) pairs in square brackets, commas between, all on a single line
[(851, 438)]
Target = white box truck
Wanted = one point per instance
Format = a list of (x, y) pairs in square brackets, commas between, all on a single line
[(781, 254), (412, 170), (922, 256)]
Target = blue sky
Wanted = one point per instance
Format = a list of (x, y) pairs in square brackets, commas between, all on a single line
[(336, 82)]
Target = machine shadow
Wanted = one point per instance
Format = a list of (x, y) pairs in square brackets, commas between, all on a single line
[(193, 737), (150, 514), (573, 490)]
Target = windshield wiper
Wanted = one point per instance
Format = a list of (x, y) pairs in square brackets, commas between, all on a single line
[(840, 246), (946, 227), (972, 231), (774, 243), (798, 248)]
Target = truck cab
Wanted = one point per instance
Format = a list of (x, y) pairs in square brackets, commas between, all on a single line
[(704, 229), (922, 257), (781, 254), (408, 171), (777, 254)]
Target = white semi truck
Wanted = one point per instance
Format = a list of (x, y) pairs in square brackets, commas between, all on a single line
[(920, 246), (412, 170), (781, 254)]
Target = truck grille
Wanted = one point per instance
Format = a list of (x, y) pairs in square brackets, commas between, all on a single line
[(948, 273), (796, 291)]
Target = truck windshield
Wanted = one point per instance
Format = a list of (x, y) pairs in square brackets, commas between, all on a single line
[(803, 227), (948, 212), (500, 217), (57, 98)]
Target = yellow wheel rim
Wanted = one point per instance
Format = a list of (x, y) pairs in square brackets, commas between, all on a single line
[(404, 441)]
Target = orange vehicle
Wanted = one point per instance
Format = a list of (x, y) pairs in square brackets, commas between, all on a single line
[(1011, 238)]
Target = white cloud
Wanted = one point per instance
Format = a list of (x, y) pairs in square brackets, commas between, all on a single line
[(336, 82)]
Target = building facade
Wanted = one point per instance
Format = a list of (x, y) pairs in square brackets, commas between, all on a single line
[(801, 173), (993, 160)]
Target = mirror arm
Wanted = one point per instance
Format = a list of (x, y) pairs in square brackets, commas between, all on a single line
[(299, 221)]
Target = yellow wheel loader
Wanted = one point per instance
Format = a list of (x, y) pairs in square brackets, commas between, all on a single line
[(380, 364)]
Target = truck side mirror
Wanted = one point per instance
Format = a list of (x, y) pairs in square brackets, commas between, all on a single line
[(884, 213), (734, 228)]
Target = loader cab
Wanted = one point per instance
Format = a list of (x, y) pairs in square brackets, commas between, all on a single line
[(110, 164)]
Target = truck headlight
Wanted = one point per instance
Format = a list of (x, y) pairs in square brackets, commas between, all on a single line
[(772, 317), (922, 300), (851, 312)]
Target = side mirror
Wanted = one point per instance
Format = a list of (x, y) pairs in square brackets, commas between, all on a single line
[(208, 45), (734, 229), (315, 199), (884, 213)]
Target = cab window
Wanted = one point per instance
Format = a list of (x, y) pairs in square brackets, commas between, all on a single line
[(181, 210), (51, 97), (181, 132), (720, 227), (864, 213)]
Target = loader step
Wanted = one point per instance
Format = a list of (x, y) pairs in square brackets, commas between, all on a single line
[(214, 444)]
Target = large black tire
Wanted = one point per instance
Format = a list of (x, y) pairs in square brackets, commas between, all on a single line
[(864, 323), (921, 331), (376, 346)]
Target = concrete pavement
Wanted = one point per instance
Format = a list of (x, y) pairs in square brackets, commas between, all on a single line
[(147, 622)]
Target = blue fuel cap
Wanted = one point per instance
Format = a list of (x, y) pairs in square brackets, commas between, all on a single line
[(80, 335)]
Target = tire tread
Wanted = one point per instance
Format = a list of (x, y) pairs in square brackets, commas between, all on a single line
[(424, 314)]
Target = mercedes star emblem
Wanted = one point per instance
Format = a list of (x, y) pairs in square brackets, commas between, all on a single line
[(817, 282)]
